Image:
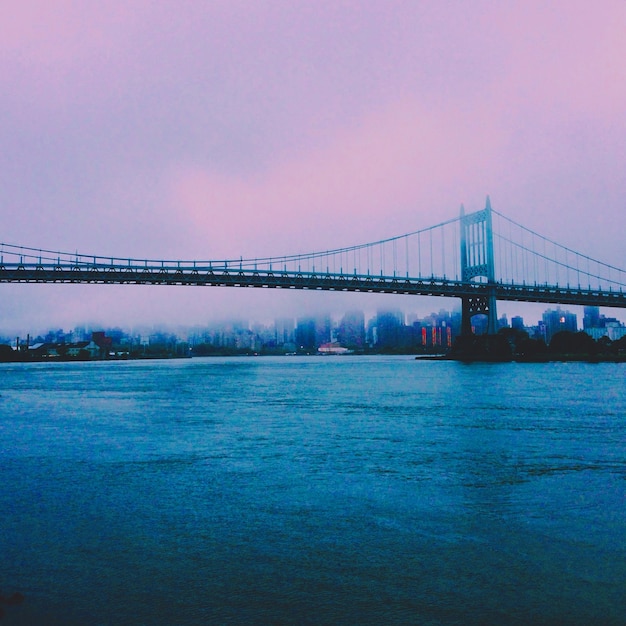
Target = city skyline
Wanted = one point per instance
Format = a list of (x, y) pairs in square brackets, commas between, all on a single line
[(218, 130), (596, 321)]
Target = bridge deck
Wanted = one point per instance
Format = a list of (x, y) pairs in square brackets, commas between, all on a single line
[(226, 277)]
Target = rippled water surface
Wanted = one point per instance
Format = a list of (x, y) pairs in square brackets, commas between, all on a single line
[(313, 490)]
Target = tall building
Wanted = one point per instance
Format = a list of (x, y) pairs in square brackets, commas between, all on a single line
[(323, 328), (556, 321), (597, 325), (312, 332), (591, 317), (284, 331), (437, 330), (305, 334), (351, 330), (517, 322), (389, 327)]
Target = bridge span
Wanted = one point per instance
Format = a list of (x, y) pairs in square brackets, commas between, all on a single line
[(462, 258)]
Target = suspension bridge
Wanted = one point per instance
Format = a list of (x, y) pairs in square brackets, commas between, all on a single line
[(479, 257)]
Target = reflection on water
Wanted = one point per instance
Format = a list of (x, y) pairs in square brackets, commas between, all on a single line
[(313, 490)]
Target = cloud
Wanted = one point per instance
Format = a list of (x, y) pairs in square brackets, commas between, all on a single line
[(391, 169)]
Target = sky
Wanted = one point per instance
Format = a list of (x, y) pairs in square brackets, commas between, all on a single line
[(205, 130)]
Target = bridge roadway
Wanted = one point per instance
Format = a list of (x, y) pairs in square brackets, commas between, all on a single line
[(186, 273)]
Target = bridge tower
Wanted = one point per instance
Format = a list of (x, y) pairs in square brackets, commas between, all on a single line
[(477, 261)]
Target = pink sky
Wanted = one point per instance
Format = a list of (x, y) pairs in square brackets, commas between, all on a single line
[(205, 130)]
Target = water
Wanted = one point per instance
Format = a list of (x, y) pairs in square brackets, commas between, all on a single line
[(348, 490)]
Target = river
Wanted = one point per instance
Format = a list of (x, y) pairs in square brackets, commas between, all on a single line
[(313, 490)]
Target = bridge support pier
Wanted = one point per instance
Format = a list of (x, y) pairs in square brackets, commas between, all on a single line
[(471, 306), (477, 261)]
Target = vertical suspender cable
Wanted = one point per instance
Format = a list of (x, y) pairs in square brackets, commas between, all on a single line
[(558, 271), (536, 263), (455, 253), (406, 253), (419, 254), (443, 250), (546, 264), (432, 272), (523, 251), (513, 277)]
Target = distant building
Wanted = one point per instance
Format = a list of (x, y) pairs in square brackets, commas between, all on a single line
[(351, 330), (323, 328), (591, 318), (437, 330), (305, 334), (333, 348), (479, 324), (100, 345), (597, 325), (389, 330), (614, 330), (76, 350), (266, 335), (517, 322), (557, 321), (615, 333), (312, 332), (284, 331)]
